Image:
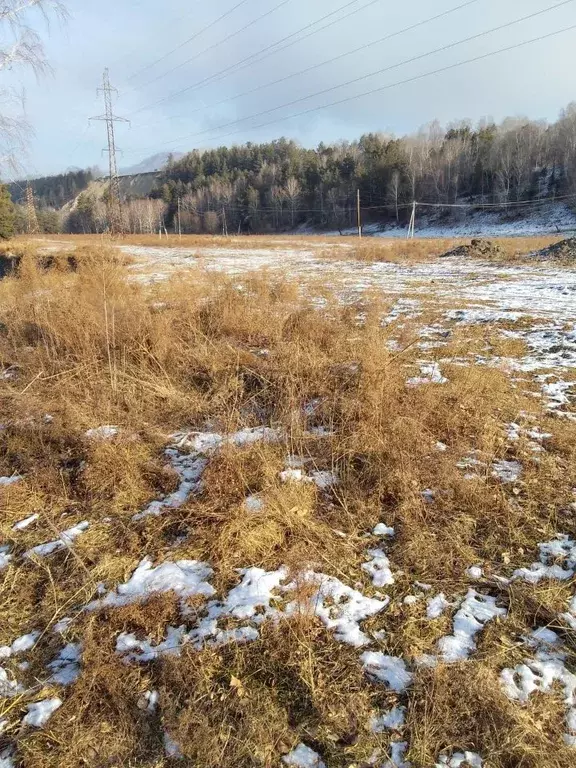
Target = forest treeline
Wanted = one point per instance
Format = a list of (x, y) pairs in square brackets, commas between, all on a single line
[(278, 186)]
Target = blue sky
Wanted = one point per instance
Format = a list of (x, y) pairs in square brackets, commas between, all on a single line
[(133, 38)]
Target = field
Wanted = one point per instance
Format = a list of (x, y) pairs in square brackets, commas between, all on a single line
[(287, 502)]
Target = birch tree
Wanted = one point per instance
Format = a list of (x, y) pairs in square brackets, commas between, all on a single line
[(21, 48)]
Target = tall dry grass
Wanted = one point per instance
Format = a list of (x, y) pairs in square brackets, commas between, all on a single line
[(91, 347)]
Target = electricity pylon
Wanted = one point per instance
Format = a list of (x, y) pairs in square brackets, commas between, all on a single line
[(31, 218), (115, 220)]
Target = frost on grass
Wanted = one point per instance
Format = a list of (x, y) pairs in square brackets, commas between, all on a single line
[(6, 758), (557, 561), (303, 757), (186, 578), (390, 670), (171, 747), (474, 613), (40, 712), (545, 672), (63, 542)]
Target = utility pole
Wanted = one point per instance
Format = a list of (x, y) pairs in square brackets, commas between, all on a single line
[(179, 221), (359, 213), (224, 223), (115, 221), (31, 218), (412, 225)]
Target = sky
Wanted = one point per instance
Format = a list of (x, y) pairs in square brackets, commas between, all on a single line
[(155, 51)]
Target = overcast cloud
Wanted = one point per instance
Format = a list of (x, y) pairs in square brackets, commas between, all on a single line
[(129, 35)]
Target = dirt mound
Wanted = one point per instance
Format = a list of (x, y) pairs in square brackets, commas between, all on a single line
[(478, 249), (8, 264), (564, 250)]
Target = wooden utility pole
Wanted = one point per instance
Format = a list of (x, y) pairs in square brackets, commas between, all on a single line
[(359, 213), (412, 225), (179, 221)]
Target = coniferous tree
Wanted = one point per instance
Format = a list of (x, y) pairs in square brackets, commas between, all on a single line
[(7, 214)]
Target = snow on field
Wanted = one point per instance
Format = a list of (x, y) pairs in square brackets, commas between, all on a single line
[(533, 304), (539, 290), (545, 219)]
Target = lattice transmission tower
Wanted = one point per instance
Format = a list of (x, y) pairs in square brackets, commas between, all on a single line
[(115, 219), (31, 218)]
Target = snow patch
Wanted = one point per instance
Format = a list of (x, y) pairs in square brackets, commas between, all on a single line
[(23, 524), (379, 568), (303, 757), (474, 613), (554, 555), (64, 542), (390, 670), (5, 481), (393, 720), (186, 578), (430, 374), (469, 759), (105, 432), (437, 605), (40, 712)]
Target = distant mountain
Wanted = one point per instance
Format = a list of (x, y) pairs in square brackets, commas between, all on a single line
[(151, 164)]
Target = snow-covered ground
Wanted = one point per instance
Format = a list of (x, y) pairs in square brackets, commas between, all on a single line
[(521, 221), (534, 303)]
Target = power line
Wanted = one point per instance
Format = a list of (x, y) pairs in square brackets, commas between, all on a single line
[(153, 37), (218, 44), (335, 58), (402, 206), (246, 62), (410, 79), (381, 71), (189, 40)]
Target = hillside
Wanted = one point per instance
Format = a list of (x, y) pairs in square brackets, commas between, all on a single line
[(151, 164)]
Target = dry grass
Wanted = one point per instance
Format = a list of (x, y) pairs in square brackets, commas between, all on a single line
[(91, 348), (395, 250)]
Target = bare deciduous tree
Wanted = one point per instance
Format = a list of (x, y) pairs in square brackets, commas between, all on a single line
[(21, 47)]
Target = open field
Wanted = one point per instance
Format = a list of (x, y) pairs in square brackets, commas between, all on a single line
[(287, 501)]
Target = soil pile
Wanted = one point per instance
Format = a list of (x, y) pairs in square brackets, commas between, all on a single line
[(565, 250), (478, 249)]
